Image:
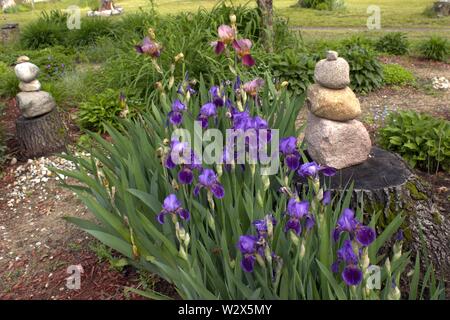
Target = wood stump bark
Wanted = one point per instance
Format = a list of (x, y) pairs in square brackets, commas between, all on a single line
[(385, 183), (442, 8), (42, 135)]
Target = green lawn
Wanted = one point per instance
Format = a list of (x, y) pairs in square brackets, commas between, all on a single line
[(394, 13)]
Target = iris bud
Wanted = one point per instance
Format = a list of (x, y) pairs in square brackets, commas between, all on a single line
[(187, 240), (269, 227), (260, 261), (394, 294), (151, 34), (183, 253), (302, 250), (365, 259), (171, 81), (397, 251), (211, 222), (266, 182), (387, 264), (319, 195), (294, 238), (180, 232), (188, 96), (166, 141), (259, 199), (219, 170), (253, 169), (284, 84), (232, 18), (179, 57), (268, 255), (232, 264), (175, 185), (159, 86)]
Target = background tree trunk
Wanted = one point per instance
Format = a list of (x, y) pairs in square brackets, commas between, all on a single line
[(266, 11)]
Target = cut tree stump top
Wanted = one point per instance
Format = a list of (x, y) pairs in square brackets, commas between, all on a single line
[(382, 169)]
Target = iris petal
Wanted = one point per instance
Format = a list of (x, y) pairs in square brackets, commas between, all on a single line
[(352, 275)]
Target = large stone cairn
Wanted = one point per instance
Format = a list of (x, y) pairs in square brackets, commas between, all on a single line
[(333, 136), (39, 130)]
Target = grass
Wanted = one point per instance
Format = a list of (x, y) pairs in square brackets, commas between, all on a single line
[(394, 13)]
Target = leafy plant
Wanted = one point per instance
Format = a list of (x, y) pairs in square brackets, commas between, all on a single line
[(393, 43), (394, 74), (106, 108), (2, 138), (297, 69), (130, 191), (423, 141), (91, 29), (435, 48), (9, 84), (366, 72)]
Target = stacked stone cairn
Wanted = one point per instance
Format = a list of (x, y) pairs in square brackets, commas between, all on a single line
[(31, 101), (334, 138), (39, 129)]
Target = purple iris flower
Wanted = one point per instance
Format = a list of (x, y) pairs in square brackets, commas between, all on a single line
[(399, 236), (217, 96), (288, 147), (208, 180), (149, 47), (172, 206), (248, 245), (207, 111), (312, 169), (261, 225), (176, 114), (181, 154), (242, 48), (298, 211), (351, 274), (348, 223), (326, 198)]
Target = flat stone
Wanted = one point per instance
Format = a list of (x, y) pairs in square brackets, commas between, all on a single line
[(34, 104), (34, 85), (333, 74), (333, 104), (26, 71), (337, 144)]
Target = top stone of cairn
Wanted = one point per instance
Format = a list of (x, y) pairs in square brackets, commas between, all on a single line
[(332, 72)]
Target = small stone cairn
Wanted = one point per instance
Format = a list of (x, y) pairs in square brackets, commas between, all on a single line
[(39, 129), (333, 136)]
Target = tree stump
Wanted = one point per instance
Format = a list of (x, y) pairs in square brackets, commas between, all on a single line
[(42, 135), (384, 182), (442, 8)]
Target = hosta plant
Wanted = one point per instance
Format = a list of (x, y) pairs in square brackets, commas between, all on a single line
[(228, 229)]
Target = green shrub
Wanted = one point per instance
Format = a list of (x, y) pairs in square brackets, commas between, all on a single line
[(393, 43), (9, 84), (435, 48), (91, 28), (48, 30), (297, 69), (105, 108), (322, 4), (394, 74), (366, 72), (423, 141)]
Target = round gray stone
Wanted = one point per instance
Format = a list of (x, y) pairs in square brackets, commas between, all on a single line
[(34, 104), (332, 74), (26, 71)]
